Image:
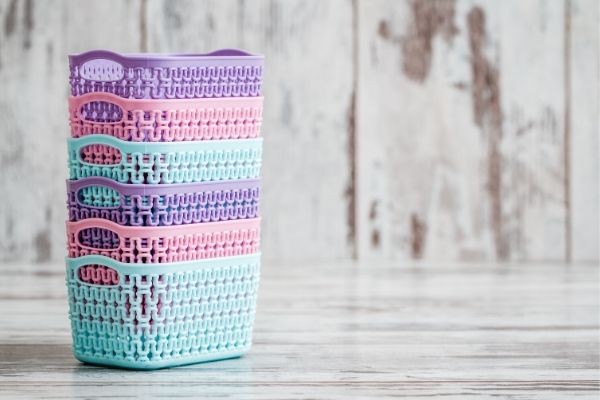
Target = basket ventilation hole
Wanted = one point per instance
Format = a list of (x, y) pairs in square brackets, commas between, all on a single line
[(98, 275), (99, 238), (100, 154), (99, 196), (101, 70), (101, 112)]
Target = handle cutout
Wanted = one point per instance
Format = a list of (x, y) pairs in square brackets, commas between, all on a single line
[(100, 154), (95, 274), (102, 112), (99, 238), (101, 70), (99, 197)]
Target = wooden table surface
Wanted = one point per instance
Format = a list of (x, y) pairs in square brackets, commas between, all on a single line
[(343, 331)]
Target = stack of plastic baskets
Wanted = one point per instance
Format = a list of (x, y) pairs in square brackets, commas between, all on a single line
[(163, 197)]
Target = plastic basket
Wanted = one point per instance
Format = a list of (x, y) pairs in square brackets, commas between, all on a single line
[(160, 163), (223, 73), (162, 244), (162, 205), (165, 120), (148, 316)]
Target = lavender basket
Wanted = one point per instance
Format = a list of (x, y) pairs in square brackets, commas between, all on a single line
[(162, 205), (223, 73)]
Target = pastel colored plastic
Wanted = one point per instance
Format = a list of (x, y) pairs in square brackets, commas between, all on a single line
[(162, 205), (165, 120), (223, 73), (162, 163), (149, 316), (163, 244)]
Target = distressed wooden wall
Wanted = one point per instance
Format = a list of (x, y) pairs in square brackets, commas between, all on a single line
[(437, 130)]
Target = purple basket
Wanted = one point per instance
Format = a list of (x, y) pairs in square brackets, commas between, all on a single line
[(223, 73), (162, 205)]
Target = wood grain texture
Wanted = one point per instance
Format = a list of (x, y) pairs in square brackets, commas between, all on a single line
[(375, 331), (419, 172), (585, 128), (481, 173), (531, 148)]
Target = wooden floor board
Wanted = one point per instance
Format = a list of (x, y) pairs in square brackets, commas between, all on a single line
[(343, 331)]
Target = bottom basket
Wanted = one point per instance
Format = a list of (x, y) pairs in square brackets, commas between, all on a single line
[(149, 316)]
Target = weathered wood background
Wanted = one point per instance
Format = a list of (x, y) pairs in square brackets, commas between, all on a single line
[(440, 130)]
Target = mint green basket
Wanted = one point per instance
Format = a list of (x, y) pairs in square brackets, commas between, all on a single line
[(160, 163), (149, 316)]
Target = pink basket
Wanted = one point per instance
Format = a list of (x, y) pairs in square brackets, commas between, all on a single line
[(164, 244), (165, 120)]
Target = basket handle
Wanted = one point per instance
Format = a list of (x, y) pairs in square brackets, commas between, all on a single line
[(75, 265), (92, 181), (98, 274), (76, 227), (77, 102), (96, 55), (112, 59), (79, 185), (78, 144)]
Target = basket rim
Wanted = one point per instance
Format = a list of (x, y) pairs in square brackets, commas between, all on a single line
[(166, 268)]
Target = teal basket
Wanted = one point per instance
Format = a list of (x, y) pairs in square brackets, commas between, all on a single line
[(164, 163), (150, 316)]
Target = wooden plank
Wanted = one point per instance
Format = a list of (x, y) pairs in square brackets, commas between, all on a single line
[(35, 37), (460, 158), (584, 129), (307, 98), (384, 330), (533, 145)]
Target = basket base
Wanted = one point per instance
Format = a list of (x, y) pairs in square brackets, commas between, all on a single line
[(152, 365)]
